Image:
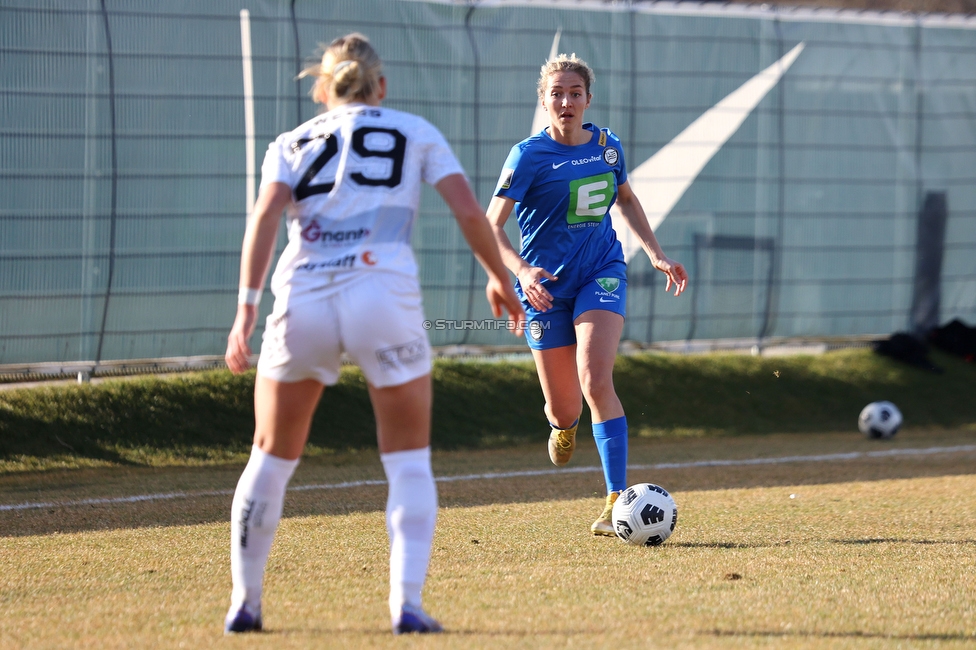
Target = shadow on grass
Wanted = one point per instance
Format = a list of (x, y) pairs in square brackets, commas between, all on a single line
[(181, 498), (896, 540), (325, 634), (855, 634), (730, 545), (571, 632)]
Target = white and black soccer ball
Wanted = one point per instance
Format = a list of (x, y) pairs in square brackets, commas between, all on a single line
[(879, 420), (644, 515)]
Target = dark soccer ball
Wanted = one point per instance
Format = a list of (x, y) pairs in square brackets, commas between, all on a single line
[(879, 420), (644, 515)]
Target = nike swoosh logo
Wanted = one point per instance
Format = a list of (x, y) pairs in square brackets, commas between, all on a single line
[(661, 180), (605, 300), (555, 166)]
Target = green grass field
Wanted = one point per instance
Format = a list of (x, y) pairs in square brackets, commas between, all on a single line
[(873, 549)]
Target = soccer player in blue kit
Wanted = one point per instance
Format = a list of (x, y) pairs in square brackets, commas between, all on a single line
[(571, 271)]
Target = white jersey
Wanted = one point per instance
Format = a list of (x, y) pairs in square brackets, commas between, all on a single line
[(355, 174)]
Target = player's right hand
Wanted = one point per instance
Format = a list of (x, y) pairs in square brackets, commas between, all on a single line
[(502, 298), (535, 292), (238, 355)]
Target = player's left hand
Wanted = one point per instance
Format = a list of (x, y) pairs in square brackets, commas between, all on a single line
[(677, 275)]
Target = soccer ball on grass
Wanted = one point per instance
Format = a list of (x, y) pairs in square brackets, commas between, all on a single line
[(879, 420), (644, 515)]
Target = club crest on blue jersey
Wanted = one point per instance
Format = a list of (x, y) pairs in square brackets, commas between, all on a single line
[(536, 330), (611, 156)]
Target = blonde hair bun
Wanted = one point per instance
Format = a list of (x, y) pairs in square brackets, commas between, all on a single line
[(350, 70)]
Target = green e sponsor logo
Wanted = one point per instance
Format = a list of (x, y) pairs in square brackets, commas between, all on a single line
[(589, 198)]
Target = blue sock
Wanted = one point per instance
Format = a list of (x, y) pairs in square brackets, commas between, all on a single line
[(611, 442)]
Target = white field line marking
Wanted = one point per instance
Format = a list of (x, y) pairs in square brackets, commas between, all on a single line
[(779, 460)]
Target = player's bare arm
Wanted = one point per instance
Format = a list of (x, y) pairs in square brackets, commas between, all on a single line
[(457, 193), (633, 214), (258, 248), (530, 277)]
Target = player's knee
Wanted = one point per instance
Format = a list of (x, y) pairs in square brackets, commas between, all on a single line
[(597, 388), (562, 414)]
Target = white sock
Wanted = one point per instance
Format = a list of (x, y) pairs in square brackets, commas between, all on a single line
[(411, 510), (255, 512)]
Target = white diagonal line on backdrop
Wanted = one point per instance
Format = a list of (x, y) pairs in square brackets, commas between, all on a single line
[(661, 180), (540, 119)]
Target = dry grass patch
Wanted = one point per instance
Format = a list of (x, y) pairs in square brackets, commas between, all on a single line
[(868, 553)]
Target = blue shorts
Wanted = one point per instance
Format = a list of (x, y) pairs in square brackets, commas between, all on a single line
[(554, 328)]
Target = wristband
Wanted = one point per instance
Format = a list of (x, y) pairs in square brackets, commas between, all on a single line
[(248, 296)]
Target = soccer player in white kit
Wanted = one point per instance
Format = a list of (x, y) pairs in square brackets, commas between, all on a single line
[(347, 282)]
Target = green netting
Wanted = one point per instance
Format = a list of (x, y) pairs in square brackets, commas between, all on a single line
[(122, 158)]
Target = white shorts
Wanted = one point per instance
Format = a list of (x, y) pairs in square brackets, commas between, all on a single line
[(377, 320)]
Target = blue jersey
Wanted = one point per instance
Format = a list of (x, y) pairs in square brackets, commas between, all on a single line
[(562, 200)]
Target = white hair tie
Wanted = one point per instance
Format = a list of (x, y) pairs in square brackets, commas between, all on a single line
[(342, 65)]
